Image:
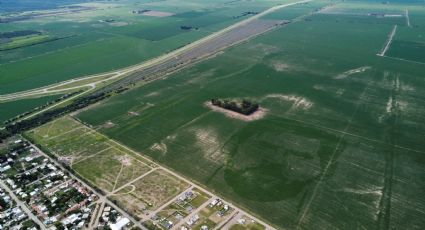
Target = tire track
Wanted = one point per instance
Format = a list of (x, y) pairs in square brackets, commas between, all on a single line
[(331, 161), (384, 214)]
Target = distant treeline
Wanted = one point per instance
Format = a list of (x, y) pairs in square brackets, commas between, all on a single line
[(79, 103), (19, 33), (188, 28), (245, 107), (245, 14)]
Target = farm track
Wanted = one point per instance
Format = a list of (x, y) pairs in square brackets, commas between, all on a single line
[(389, 41), (384, 215), (407, 18)]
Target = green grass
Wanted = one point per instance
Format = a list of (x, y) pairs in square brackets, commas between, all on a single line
[(330, 153), (110, 169), (105, 164), (24, 41)]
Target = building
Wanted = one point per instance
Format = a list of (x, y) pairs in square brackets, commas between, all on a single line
[(120, 224)]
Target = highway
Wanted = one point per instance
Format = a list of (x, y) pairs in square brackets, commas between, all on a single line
[(195, 51)]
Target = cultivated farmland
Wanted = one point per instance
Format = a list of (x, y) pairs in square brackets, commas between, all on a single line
[(340, 146), (78, 39)]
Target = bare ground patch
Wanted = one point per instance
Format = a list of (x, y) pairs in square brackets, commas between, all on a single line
[(132, 113), (279, 66), (352, 71), (108, 124), (154, 13), (298, 101)]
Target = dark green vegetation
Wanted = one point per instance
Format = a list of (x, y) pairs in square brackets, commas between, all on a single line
[(413, 51), (11, 109), (19, 33), (245, 107), (341, 146)]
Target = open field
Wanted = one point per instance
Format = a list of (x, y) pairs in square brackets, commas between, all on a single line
[(341, 145), (149, 192), (92, 156), (110, 168)]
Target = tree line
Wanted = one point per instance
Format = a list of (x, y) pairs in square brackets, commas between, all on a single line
[(79, 103)]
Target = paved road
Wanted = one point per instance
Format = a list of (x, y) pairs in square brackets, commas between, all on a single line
[(22, 205), (194, 212), (151, 214), (203, 47)]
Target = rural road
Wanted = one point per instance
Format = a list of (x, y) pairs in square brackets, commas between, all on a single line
[(389, 41)]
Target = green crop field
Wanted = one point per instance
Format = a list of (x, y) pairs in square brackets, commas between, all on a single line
[(341, 144), (11, 109), (106, 37), (24, 41)]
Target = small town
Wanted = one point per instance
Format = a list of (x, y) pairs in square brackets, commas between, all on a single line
[(37, 194)]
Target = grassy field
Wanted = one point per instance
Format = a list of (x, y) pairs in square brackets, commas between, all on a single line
[(100, 161), (149, 192), (341, 144), (24, 41)]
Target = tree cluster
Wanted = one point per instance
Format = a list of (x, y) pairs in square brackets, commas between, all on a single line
[(245, 107)]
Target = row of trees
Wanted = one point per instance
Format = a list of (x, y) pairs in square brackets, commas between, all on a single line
[(79, 103), (245, 107)]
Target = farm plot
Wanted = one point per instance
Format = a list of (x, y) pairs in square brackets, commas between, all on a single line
[(110, 168), (149, 192), (74, 143)]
